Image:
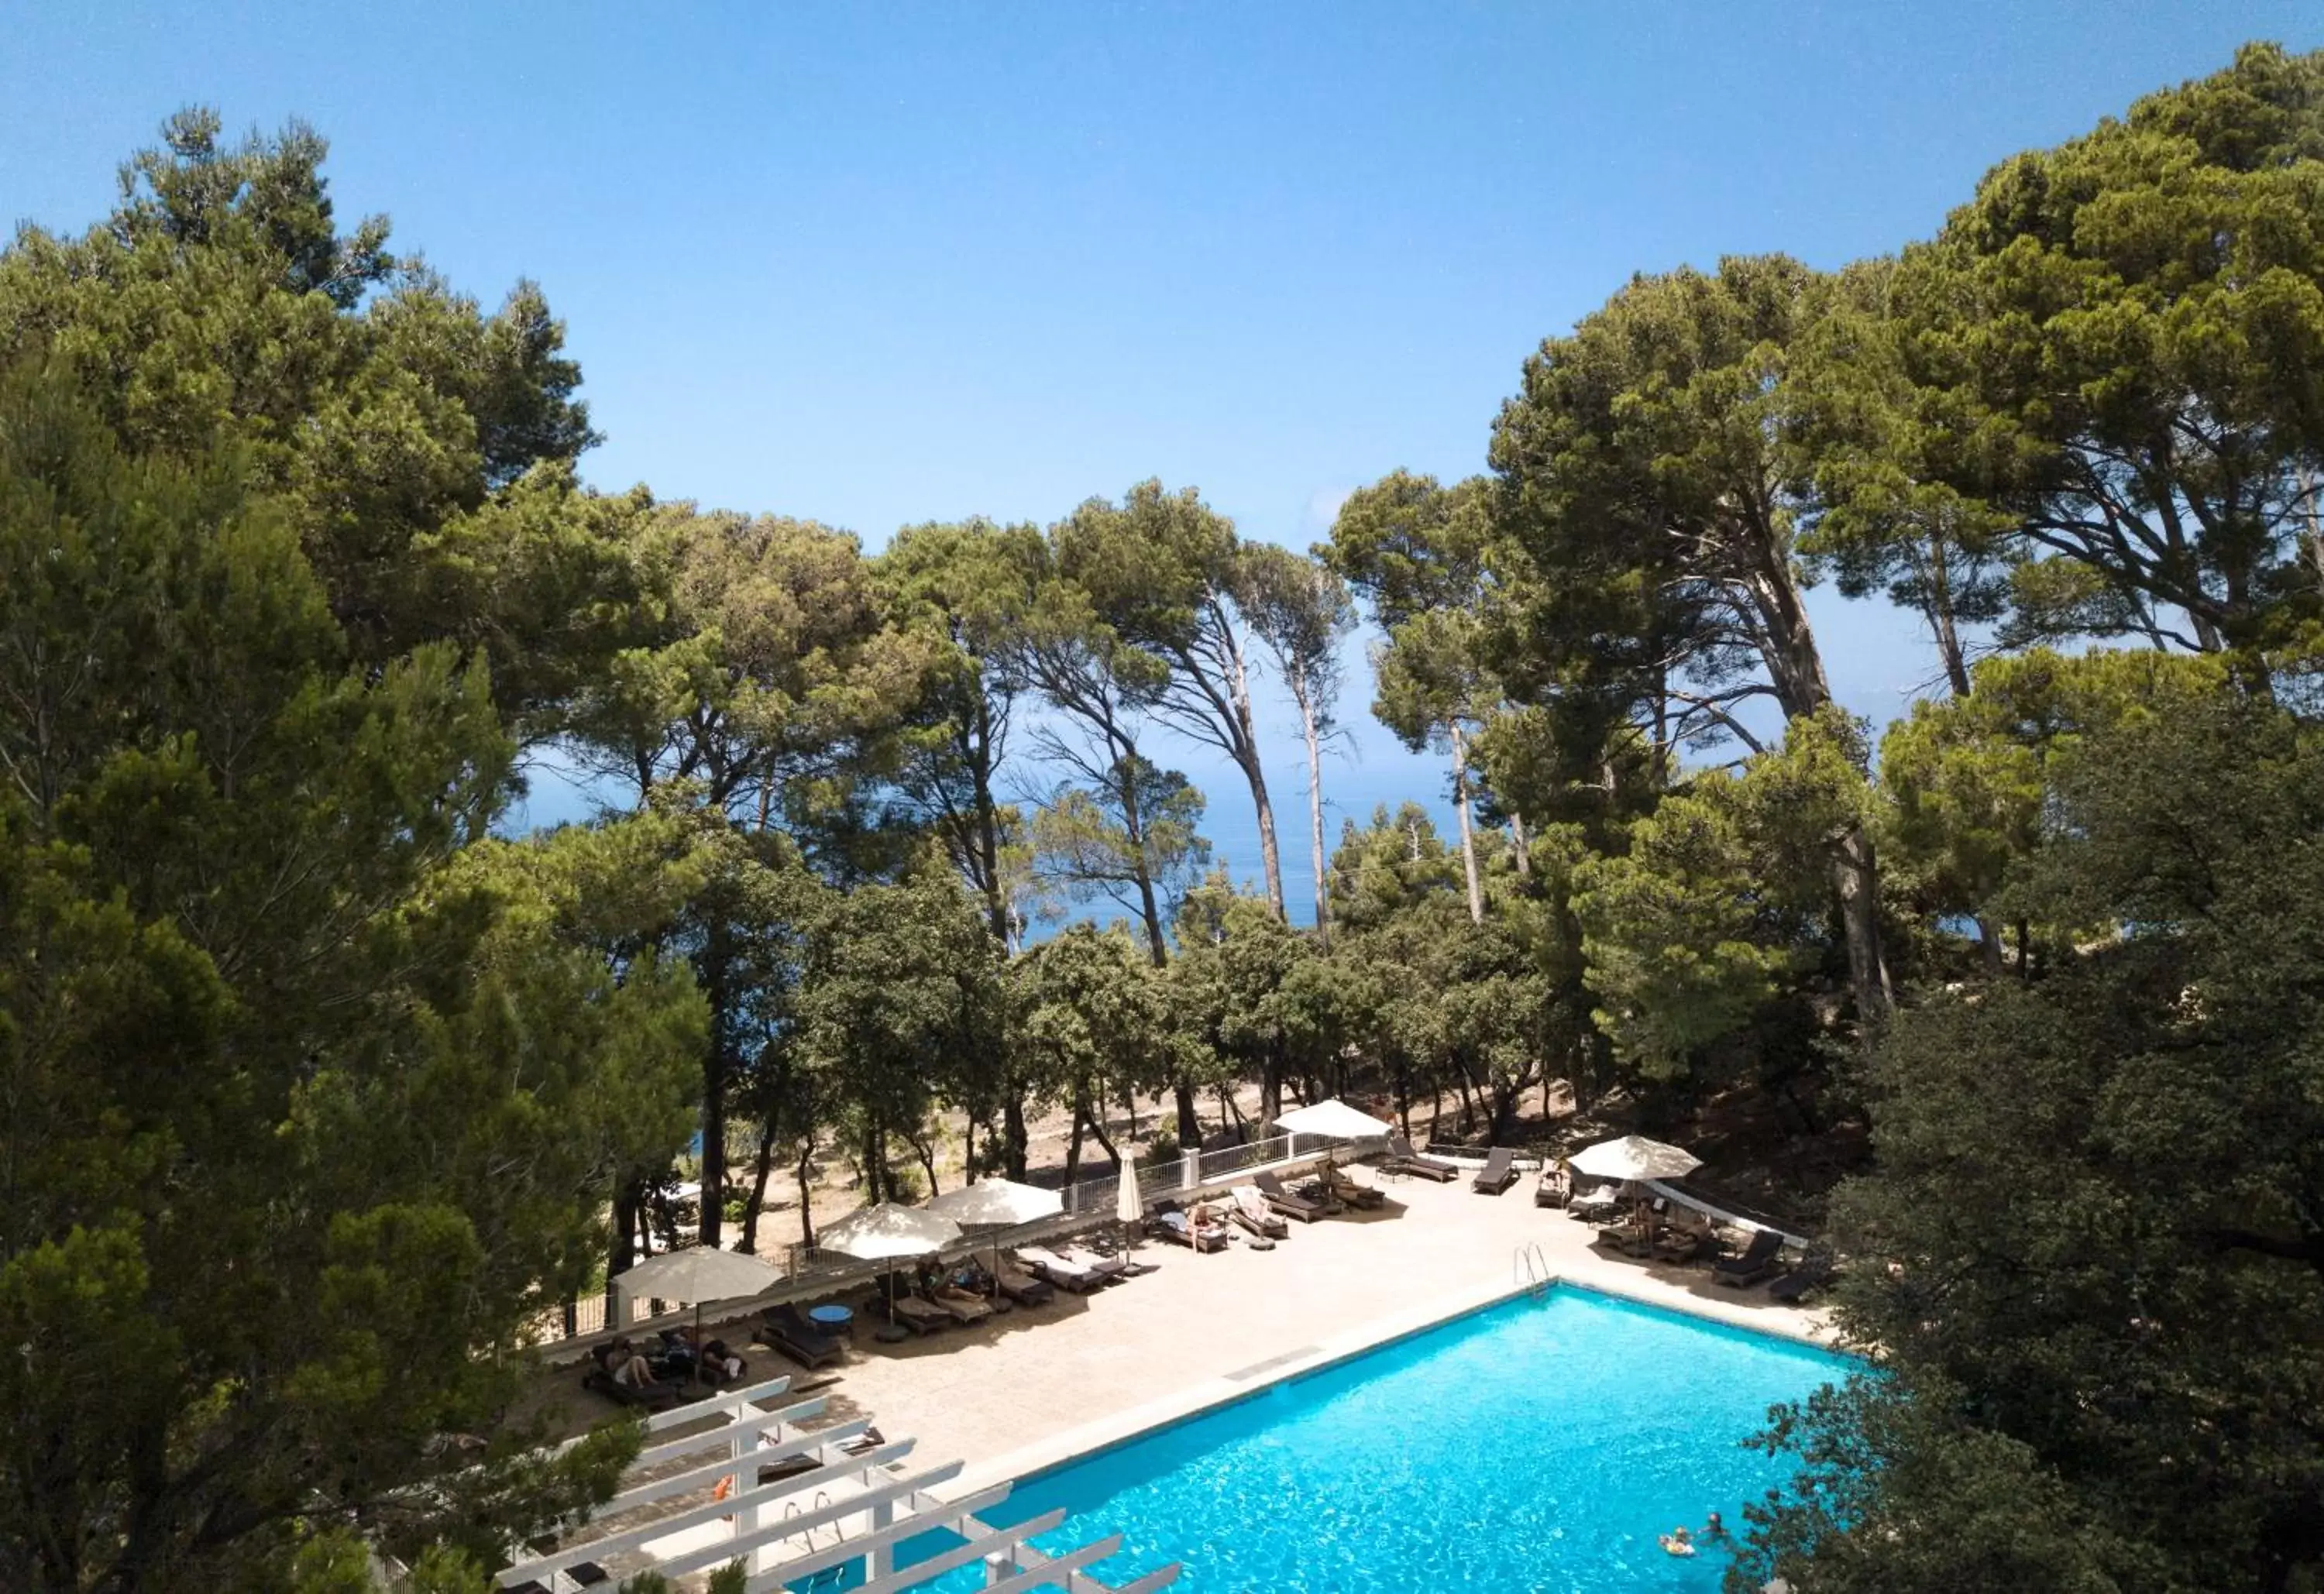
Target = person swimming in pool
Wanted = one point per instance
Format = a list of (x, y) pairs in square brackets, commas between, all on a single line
[(1678, 1542), (1714, 1531)]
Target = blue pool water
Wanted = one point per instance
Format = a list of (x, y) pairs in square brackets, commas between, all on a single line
[(1544, 1445)]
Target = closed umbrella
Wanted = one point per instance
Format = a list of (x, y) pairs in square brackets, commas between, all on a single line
[(997, 1204), (888, 1232), (1129, 1206), (697, 1273)]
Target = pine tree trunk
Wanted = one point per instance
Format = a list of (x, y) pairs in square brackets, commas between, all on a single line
[(1012, 1135), (1315, 813), (1244, 736), (716, 964), (1468, 830), (1190, 1116), (1270, 856), (806, 1191), (1854, 875), (763, 1167)]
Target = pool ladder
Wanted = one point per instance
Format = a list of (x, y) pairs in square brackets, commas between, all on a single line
[(807, 1536), (1530, 1268)]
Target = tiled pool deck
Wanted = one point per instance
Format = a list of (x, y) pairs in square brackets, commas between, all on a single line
[(1037, 1386)]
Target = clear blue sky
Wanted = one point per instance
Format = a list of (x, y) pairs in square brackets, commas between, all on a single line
[(883, 264)]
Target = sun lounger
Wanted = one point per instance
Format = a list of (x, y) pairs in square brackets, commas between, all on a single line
[(1227, 1218), (783, 1328), (1624, 1237), (659, 1396), (1680, 1246), (1061, 1271), (1343, 1187), (1403, 1159), (1024, 1288), (1498, 1175), (1182, 1230), (1250, 1209), (897, 1304), (1762, 1257), (1794, 1287), (962, 1306), (1291, 1206), (1110, 1267)]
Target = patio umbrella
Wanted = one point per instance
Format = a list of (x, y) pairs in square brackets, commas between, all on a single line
[(997, 1201), (888, 1232), (1634, 1157), (697, 1273), (997, 1204), (1334, 1119)]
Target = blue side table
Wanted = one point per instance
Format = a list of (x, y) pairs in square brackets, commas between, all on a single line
[(838, 1320)]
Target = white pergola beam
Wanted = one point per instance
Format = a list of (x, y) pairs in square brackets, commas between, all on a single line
[(805, 1522), (756, 1421), (895, 1532), (732, 1506)]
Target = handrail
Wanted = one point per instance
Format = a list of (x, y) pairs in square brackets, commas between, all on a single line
[(1528, 1261)]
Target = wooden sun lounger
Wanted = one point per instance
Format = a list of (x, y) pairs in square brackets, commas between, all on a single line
[(783, 1328), (897, 1304), (1107, 1267), (1061, 1271), (1284, 1202), (1403, 1159), (657, 1397), (1499, 1172), (1794, 1287), (1179, 1228), (1762, 1257), (1024, 1288), (1251, 1210), (1344, 1188), (962, 1305)]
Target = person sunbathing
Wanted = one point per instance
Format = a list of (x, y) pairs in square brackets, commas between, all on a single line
[(624, 1366)]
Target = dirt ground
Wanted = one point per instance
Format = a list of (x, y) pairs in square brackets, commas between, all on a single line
[(1752, 1154), (837, 1185)]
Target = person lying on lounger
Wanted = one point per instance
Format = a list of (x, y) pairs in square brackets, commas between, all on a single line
[(627, 1368)]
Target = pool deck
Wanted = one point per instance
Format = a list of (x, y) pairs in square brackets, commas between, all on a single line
[(1038, 1386)]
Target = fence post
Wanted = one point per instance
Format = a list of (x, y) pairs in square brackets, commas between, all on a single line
[(1190, 1169), (1074, 1197)]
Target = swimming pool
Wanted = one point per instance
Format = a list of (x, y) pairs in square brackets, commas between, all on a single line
[(1542, 1445)]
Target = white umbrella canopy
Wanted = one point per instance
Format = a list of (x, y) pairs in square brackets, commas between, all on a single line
[(997, 1201), (1130, 1206), (887, 1230), (697, 1273), (700, 1273), (1634, 1157), (1334, 1118)]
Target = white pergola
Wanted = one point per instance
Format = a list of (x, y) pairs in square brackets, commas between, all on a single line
[(841, 1497)]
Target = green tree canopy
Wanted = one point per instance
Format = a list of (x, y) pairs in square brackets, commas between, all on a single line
[(2090, 1253)]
